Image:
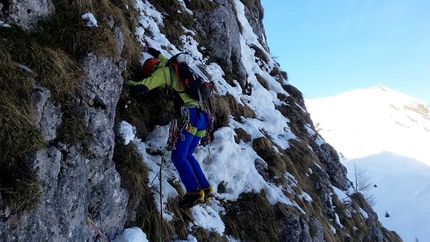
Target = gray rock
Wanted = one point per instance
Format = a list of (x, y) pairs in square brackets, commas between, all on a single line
[(335, 169), (220, 30), (77, 186), (48, 115), (25, 12)]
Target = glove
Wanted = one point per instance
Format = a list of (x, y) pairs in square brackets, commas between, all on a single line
[(130, 83), (153, 52)]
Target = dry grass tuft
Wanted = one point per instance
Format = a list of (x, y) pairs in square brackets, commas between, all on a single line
[(20, 189), (241, 134), (19, 136), (253, 218), (221, 111), (209, 236), (262, 81), (238, 110), (277, 163), (17, 127), (52, 68), (145, 111), (260, 54), (201, 5), (279, 75)]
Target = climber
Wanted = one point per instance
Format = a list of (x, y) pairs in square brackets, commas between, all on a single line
[(192, 126)]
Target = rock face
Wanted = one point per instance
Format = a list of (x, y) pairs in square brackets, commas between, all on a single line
[(25, 12), (77, 188), (220, 29)]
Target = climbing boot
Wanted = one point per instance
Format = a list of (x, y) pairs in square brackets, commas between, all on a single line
[(192, 198), (209, 193)]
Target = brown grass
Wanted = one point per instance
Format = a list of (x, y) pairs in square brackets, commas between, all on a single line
[(201, 5), (241, 134), (260, 54), (279, 75), (52, 67), (19, 136), (253, 218), (146, 110), (277, 162), (221, 111), (238, 110), (262, 81)]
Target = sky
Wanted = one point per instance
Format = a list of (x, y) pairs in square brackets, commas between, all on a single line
[(236, 161), (390, 143), (329, 47)]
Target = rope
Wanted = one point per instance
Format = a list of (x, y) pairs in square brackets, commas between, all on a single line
[(173, 136), (161, 198), (91, 223), (160, 175)]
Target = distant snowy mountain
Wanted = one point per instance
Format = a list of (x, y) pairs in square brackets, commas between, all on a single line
[(373, 120), (387, 134)]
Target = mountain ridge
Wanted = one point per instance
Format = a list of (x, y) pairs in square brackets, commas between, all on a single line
[(373, 111)]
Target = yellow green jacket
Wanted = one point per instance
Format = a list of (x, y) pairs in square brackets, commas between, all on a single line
[(163, 77)]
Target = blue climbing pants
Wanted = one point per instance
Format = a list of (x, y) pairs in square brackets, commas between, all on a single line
[(182, 156)]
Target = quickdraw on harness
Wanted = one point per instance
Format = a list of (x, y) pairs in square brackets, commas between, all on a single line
[(177, 126), (184, 122), (173, 135), (160, 175)]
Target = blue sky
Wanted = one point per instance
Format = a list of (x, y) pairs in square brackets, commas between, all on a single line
[(332, 46)]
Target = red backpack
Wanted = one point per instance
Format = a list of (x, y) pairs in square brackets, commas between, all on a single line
[(148, 65)]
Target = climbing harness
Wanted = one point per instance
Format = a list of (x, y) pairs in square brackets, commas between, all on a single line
[(173, 135), (184, 121)]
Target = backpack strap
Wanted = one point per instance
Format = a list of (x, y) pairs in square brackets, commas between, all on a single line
[(178, 78), (165, 78)]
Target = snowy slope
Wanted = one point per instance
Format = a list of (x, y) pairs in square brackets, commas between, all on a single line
[(387, 134), (394, 122)]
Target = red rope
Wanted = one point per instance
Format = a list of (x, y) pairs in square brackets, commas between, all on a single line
[(89, 222), (175, 65)]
